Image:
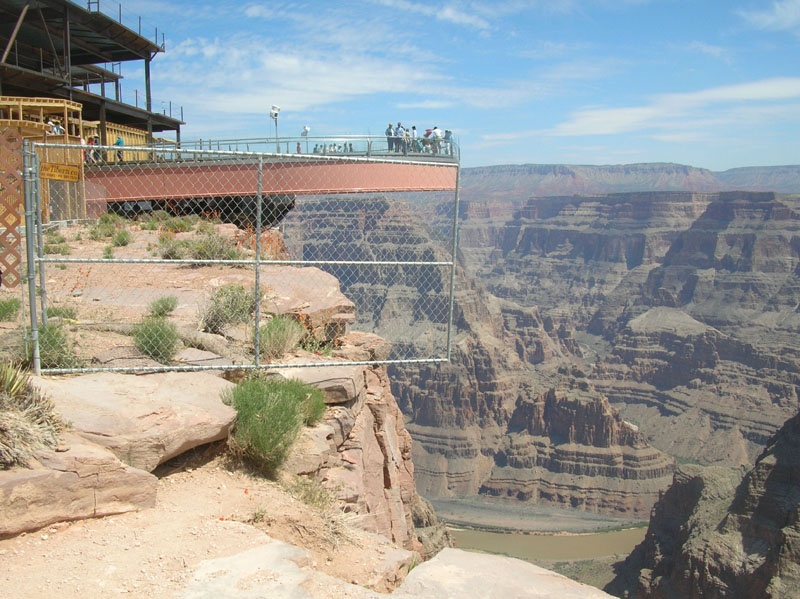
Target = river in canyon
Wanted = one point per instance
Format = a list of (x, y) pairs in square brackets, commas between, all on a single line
[(536, 533)]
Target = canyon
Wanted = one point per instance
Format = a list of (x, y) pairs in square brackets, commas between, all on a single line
[(634, 317)]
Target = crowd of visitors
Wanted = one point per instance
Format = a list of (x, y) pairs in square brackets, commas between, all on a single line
[(434, 141)]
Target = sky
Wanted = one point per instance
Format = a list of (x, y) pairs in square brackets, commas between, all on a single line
[(709, 83)]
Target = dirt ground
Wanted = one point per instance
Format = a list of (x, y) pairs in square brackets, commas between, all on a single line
[(207, 507)]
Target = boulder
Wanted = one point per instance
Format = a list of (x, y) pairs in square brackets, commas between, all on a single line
[(460, 574), (85, 481), (143, 420)]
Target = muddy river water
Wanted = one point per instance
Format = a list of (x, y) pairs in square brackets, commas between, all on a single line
[(535, 532), (550, 546)]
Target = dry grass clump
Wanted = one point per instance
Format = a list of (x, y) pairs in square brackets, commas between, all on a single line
[(27, 419)]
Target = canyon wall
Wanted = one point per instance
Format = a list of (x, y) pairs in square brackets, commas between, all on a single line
[(716, 534), (496, 419)]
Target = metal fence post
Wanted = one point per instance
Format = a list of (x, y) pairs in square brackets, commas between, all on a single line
[(39, 239), (453, 267), (28, 178), (257, 289)]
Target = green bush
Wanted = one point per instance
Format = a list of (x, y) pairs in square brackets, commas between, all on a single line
[(55, 348), (121, 238), (108, 252), (9, 308), (163, 306), (229, 304), (60, 249), (178, 224), (279, 335), (107, 225), (212, 246), (27, 419), (170, 248), (54, 237), (65, 312), (154, 220), (157, 338), (270, 414)]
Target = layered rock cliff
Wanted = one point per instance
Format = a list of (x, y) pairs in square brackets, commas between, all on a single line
[(715, 535), (494, 420), (684, 304)]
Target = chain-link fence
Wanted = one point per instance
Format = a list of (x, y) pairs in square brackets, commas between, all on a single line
[(197, 259)]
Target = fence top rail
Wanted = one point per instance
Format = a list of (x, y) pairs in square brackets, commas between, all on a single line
[(168, 153)]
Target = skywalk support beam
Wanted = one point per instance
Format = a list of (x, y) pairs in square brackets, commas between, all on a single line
[(296, 177)]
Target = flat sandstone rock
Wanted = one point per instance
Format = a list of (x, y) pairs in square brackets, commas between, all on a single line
[(85, 481), (143, 420)]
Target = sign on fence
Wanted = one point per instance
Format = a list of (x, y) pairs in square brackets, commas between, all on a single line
[(60, 172)]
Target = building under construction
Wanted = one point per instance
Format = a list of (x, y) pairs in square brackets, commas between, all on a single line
[(61, 63)]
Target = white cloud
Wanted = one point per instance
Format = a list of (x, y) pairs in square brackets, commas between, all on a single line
[(669, 110), (710, 50), (782, 15), (448, 13), (426, 104)]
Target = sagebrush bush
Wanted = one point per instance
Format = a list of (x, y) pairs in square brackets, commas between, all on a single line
[(121, 238), (107, 225), (55, 348), (270, 414), (153, 220), (212, 246), (163, 306), (60, 249), (279, 335), (229, 304), (8, 308), (157, 338), (27, 419)]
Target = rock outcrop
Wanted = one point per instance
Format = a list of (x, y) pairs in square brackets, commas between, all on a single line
[(715, 535), (363, 451), (143, 420), (79, 480)]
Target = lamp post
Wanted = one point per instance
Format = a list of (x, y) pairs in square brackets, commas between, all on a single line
[(304, 133), (273, 114)]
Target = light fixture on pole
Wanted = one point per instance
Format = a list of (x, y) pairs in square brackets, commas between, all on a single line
[(304, 133), (273, 114)]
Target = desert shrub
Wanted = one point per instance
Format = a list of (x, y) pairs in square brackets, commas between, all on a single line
[(153, 220), (8, 308), (311, 492), (55, 348), (229, 304), (54, 237), (163, 306), (205, 227), (169, 247), (279, 335), (108, 252), (121, 238), (270, 414), (107, 225), (27, 419), (157, 338), (61, 249), (65, 312), (212, 246), (178, 224)]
